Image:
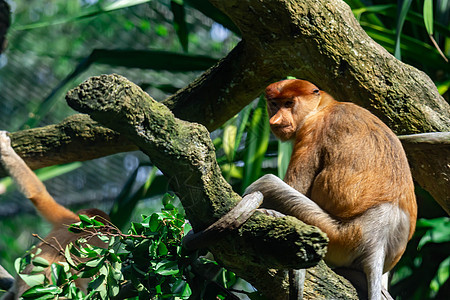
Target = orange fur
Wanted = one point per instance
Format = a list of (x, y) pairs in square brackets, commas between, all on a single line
[(354, 171), (59, 216)]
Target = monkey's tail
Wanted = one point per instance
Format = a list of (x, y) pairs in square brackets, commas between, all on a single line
[(30, 185)]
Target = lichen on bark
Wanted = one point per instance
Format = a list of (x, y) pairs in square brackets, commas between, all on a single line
[(183, 151)]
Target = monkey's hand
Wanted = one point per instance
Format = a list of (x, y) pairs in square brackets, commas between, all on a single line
[(5, 143)]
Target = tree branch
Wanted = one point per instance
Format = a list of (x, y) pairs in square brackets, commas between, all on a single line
[(429, 153), (61, 143), (307, 39), (219, 93), (425, 141), (310, 39), (184, 152), (232, 220)]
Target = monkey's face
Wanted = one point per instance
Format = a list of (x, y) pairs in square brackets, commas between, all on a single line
[(289, 102), (282, 118)]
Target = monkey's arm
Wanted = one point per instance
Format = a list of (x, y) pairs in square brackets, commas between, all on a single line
[(30, 185), (278, 195)]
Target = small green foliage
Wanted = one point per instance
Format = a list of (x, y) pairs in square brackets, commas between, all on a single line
[(425, 264), (150, 258), (155, 260)]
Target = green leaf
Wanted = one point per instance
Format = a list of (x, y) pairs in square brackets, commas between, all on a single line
[(229, 139), (67, 255), (167, 201), (162, 249), (55, 171), (401, 16), (95, 222), (166, 268), (181, 289), (115, 271), (209, 10), (33, 280), (256, 143), (379, 9), (438, 231), (187, 228), (153, 248), (45, 174), (89, 272), (243, 122), (428, 15), (106, 239), (284, 156), (95, 262), (75, 227), (228, 278), (155, 221), (441, 276), (97, 282), (20, 264), (85, 220), (412, 49), (89, 12), (179, 23), (136, 228), (443, 87), (40, 262), (37, 270), (40, 292), (58, 274)]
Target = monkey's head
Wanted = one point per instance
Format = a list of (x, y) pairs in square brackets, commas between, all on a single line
[(289, 102)]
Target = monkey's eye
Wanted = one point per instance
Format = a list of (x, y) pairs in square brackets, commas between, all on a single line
[(316, 91)]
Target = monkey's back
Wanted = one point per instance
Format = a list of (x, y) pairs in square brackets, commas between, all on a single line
[(363, 181), (362, 164)]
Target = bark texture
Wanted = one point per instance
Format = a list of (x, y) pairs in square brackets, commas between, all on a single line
[(318, 40), (184, 152), (310, 39), (61, 143), (429, 153)]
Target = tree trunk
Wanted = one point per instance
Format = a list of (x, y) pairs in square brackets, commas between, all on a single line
[(184, 152), (320, 41)]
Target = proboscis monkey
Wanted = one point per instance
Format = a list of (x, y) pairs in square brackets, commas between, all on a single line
[(59, 216), (348, 175)]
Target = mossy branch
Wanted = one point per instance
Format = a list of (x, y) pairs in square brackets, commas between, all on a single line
[(184, 152)]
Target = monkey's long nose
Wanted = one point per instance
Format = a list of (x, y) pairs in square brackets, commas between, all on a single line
[(276, 120)]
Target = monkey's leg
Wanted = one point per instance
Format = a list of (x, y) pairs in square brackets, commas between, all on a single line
[(384, 287), (283, 198), (296, 283), (296, 276), (278, 195), (373, 268), (30, 185)]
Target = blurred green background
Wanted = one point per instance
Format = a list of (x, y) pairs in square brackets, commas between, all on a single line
[(163, 45)]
